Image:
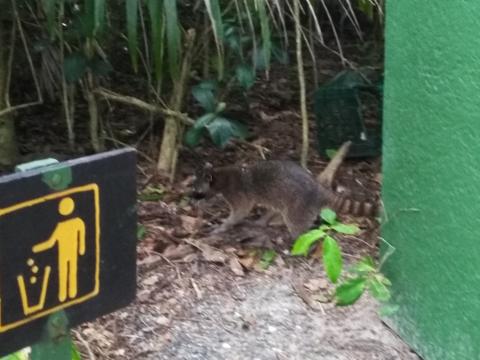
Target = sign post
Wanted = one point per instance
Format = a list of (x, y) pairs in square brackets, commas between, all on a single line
[(67, 248)]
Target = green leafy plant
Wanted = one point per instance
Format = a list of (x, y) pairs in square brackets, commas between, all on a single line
[(141, 231), (151, 193), (19, 355), (362, 276), (303, 244), (220, 128), (75, 353), (267, 258), (25, 354), (245, 56)]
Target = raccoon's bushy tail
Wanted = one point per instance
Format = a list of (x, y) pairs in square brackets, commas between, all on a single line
[(346, 205)]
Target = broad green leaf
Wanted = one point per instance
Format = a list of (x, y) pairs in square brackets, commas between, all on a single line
[(88, 18), (132, 31), (196, 132), (378, 290), (332, 258), (18, 355), (259, 59), (267, 258), (328, 215), (245, 76), (50, 7), (330, 153), (215, 14), (364, 266), (366, 7), (151, 193), (280, 54), (74, 66), (349, 229), (173, 38), (192, 136), (350, 291), (205, 94), (380, 277), (220, 108), (100, 67), (204, 120), (47, 350), (155, 11), (211, 85), (265, 32), (99, 15), (304, 242), (150, 196), (233, 41), (75, 353), (221, 130), (141, 231), (388, 310)]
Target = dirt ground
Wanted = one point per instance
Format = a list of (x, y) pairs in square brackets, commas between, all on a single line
[(203, 311)]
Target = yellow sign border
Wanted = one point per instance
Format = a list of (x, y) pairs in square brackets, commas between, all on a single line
[(89, 187)]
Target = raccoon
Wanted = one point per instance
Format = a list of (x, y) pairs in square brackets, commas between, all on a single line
[(283, 187)]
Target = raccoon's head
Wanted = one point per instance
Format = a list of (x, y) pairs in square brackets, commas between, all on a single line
[(201, 185)]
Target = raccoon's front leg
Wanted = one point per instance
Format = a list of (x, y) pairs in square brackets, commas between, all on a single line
[(239, 210)]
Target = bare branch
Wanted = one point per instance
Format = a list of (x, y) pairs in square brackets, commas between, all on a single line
[(130, 100)]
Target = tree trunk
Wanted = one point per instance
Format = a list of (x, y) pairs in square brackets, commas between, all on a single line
[(173, 130), (94, 122), (8, 144), (96, 139)]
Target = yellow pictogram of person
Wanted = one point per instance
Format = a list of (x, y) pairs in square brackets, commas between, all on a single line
[(69, 237)]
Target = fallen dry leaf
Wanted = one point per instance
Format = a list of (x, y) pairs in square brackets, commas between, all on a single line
[(230, 249), (247, 262), (212, 254), (197, 290), (190, 223), (190, 257), (162, 320), (143, 295), (148, 260), (305, 296), (322, 297), (180, 232), (317, 284), (119, 352), (236, 266), (177, 251), (151, 280)]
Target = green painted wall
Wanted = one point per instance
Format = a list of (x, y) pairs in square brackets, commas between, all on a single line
[(432, 163)]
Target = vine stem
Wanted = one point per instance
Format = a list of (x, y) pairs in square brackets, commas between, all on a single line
[(301, 81)]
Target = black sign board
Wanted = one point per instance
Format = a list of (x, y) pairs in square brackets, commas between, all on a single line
[(67, 242)]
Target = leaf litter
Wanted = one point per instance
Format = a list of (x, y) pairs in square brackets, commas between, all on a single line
[(240, 295)]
